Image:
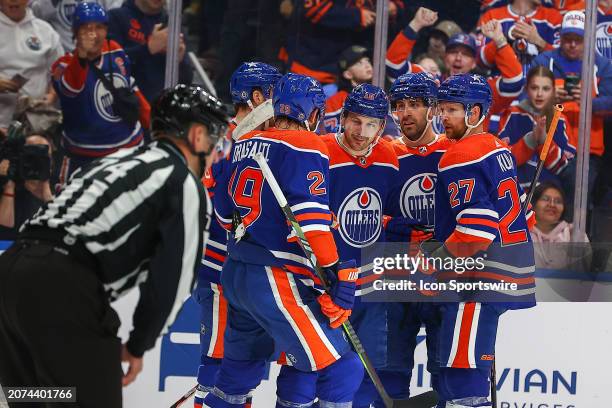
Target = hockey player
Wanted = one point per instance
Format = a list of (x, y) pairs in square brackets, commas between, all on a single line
[(362, 171), (478, 208), (272, 304), (414, 101), (250, 85)]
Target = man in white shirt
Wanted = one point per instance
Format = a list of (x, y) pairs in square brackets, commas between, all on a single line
[(28, 48)]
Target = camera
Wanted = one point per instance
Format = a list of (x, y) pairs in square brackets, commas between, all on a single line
[(27, 162), (571, 82)]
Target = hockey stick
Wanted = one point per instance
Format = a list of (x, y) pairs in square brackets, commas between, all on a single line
[(185, 397), (544, 153), (424, 400), (254, 119)]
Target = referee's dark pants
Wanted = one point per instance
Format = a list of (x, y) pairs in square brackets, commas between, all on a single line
[(56, 325)]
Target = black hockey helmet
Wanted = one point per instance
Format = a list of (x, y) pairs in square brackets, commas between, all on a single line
[(175, 109)]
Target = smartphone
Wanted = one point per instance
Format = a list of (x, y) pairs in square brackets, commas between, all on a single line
[(19, 80), (571, 82)]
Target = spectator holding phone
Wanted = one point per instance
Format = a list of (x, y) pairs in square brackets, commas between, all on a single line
[(140, 27), (566, 64), (28, 48), (524, 127)]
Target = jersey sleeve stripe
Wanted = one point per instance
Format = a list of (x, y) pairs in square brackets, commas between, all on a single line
[(479, 221), (313, 216), (478, 211), (477, 233), (212, 254), (211, 265), (309, 204)]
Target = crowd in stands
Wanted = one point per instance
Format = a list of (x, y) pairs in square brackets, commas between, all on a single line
[(54, 54)]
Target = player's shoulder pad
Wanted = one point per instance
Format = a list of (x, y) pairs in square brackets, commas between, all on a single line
[(471, 150), (298, 140)]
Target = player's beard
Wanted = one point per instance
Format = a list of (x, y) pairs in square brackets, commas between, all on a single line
[(454, 133), (415, 131)]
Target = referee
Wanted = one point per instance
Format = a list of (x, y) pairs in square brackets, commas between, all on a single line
[(133, 218)]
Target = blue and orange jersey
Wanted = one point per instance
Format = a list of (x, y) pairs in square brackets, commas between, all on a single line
[(333, 110), (603, 36), (518, 122), (321, 30), (91, 127), (413, 196), (507, 86), (299, 161), (546, 20), (359, 193), (399, 52), (479, 208), (215, 247)]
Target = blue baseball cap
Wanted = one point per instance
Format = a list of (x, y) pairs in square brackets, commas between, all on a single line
[(462, 39)]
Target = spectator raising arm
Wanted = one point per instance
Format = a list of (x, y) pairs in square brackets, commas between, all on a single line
[(400, 50), (507, 86)]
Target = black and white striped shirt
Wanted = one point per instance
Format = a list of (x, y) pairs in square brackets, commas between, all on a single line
[(141, 213)]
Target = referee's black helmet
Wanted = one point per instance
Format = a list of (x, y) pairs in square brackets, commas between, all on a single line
[(177, 108)]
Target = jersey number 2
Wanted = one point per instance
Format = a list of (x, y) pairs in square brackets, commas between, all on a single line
[(508, 188), (318, 178)]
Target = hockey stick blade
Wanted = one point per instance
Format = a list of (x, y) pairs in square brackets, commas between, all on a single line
[(254, 119), (425, 400), (185, 397)]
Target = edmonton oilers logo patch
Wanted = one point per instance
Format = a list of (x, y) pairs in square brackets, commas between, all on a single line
[(604, 39), (360, 217), (417, 200), (104, 99)]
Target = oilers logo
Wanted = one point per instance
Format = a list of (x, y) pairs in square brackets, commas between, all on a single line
[(360, 217), (417, 200), (604, 39), (104, 99)]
